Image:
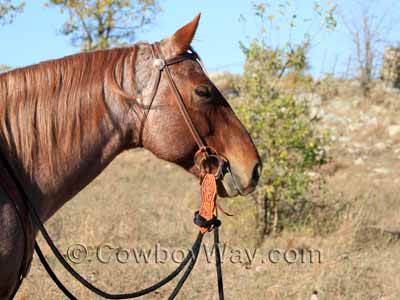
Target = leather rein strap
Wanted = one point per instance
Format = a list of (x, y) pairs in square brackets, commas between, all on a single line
[(205, 218)]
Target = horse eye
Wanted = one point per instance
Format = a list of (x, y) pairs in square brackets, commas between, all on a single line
[(203, 91)]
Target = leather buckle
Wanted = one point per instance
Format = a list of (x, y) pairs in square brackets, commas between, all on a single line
[(159, 64)]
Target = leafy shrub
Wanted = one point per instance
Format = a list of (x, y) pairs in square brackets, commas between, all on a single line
[(4, 68), (289, 142), (289, 145)]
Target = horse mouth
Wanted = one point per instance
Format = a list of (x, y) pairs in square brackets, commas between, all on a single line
[(227, 187), (231, 185), (223, 192)]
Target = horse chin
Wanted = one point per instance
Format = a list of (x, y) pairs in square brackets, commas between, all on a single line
[(226, 187)]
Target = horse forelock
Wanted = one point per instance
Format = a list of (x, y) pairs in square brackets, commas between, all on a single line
[(47, 109)]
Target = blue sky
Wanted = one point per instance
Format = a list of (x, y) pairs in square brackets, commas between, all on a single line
[(34, 37)]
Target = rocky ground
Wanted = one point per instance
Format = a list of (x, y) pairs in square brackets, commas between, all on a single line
[(367, 137)]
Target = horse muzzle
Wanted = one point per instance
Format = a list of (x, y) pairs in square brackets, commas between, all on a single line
[(231, 184)]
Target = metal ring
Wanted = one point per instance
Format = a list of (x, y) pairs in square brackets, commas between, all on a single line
[(221, 163), (201, 164)]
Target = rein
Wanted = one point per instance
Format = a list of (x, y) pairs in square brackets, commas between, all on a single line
[(211, 166)]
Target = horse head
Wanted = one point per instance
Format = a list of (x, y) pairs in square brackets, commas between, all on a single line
[(165, 133)]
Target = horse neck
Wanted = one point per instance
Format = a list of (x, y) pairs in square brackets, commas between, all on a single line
[(51, 191), (112, 134)]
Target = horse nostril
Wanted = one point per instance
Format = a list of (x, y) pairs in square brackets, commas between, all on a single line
[(256, 174)]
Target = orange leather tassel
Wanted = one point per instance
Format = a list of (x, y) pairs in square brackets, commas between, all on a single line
[(208, 198)]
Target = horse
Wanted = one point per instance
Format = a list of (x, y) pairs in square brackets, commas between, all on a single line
[(63, 121)]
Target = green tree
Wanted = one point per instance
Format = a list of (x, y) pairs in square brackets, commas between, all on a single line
[(99, 24), (288, 140), (4, 68), (8, 10)]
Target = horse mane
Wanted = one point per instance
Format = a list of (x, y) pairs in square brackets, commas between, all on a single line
[(47, 109)]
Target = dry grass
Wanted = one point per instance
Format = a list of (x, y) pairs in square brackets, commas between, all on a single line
[(128, 206)]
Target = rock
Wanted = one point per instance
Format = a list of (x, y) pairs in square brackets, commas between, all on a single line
[(309, 98), (359, 162), (314, 295), (376, 109), (341, 105), (344, 139), (314, 103), (358, 145), (313, 175), (380, 146), (333, 118), (354, 83), (352, 150), (372, 121), (355, 126), (393, 130), (317, 113), (356, 100), (383, 171), (260, 269), (390, 71)]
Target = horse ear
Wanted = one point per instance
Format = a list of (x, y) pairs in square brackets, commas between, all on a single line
[(180, 42)]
